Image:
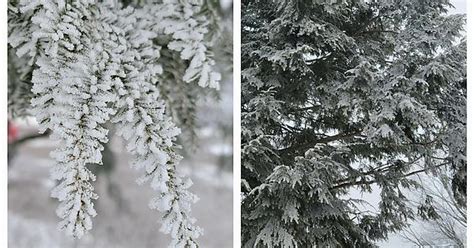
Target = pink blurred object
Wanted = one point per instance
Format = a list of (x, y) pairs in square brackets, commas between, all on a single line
[(12, 132)]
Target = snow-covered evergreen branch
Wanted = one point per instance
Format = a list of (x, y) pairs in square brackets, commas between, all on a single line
[(365, 95), (97, 62), (188, 28)]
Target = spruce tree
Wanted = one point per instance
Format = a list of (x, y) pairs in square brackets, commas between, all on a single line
[(347, 95)]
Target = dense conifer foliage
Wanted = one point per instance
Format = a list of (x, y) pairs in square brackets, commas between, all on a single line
[(347, 96)]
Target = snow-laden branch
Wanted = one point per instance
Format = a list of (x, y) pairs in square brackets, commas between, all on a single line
[(99, 62)]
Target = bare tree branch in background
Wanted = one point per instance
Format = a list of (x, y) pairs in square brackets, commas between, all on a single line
[(450, 226)]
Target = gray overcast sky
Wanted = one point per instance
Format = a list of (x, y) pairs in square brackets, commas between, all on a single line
[(460, 6)]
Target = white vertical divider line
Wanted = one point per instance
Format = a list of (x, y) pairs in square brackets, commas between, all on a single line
[(470, 124), (236, 124), (3, 126)]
